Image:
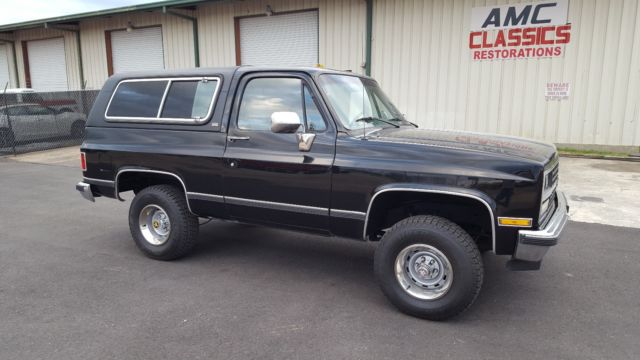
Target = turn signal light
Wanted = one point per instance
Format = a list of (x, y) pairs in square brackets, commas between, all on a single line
[(521, 222), (83, 161)]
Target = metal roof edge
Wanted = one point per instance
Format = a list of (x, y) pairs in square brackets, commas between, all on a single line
[(105, 12)]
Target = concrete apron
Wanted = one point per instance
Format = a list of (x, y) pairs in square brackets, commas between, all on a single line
[(602, 191)]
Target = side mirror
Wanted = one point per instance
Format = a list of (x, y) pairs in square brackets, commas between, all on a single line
[(285, 122)]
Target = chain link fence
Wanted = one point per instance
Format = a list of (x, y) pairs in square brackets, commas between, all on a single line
[(35, 121)]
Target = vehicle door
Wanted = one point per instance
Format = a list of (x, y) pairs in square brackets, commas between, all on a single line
[(45, 122), (23, 124), (277, 173)]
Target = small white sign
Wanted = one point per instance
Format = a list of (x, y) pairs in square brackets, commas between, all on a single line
[(557, 91), (536, 14)]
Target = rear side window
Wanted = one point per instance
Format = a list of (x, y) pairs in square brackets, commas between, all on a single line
[(138, 99), (189, 99), (179, 100)]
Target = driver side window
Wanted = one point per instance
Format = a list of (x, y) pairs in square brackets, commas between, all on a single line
[(264, 96)]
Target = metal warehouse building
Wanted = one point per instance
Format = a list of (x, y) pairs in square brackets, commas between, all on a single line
[(566, 71)]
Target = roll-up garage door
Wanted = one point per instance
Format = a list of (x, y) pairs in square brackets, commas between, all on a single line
[(136, 50), (4, 67), (47, 65), (280, 40)]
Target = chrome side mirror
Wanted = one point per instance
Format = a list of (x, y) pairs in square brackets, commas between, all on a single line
[(285, 122), (305, 140)]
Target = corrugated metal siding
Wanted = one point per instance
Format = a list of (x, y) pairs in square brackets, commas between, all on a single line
[(421, 58), (70, 50), (12, 70), (341, 37), (177, 39)]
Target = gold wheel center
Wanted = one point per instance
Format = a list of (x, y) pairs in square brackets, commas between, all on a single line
[(156, 224)]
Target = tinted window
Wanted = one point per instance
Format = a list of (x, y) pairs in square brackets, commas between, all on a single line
[(263, 97), (137, 99), (314, 118), (189, 99), (17, 111)]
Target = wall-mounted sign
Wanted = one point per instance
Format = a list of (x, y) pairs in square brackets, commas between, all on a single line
[(557, 91), (519, 31)]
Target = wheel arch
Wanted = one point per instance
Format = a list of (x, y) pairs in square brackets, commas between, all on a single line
[(156, 176), (377, 202)]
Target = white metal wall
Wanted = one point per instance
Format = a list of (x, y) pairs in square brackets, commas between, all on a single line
[(5, 75), (280, 40), (47, 65), (421, 58), (341, 29), (177, 41), (70, 53), (137, 50)]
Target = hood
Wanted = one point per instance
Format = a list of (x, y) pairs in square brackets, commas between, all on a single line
[(489, 143)]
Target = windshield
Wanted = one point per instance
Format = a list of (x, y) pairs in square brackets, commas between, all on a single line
[(353, 98)]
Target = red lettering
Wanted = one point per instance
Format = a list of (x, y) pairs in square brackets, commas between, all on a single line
[(472, 43), (557, 51), (515, 37), (512, 53), (500, 39), (563, 34), (485, 42), (528, 36), (543, 35), (476, 55)]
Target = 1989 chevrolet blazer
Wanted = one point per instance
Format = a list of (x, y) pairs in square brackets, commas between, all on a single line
[(325, 152)]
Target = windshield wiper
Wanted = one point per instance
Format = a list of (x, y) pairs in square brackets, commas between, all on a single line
[(369, 119), (396, 119)]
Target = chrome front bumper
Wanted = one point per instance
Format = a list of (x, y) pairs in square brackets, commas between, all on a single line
[(533, 244), (85, 191)]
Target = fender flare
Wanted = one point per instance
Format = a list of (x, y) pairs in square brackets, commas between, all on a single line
[(479, 196), (145, 170)]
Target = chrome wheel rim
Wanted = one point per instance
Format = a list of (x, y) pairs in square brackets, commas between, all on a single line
[(155, 225), (423, 272)]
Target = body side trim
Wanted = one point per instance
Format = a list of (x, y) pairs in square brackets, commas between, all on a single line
[(445, 192), (99, 181), (206, 197), (348, 214), (277, 205)]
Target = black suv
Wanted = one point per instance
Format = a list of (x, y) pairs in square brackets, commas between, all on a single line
[(322, 152)]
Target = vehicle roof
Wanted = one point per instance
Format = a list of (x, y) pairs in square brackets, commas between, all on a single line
[(224, 71), (16, 91)]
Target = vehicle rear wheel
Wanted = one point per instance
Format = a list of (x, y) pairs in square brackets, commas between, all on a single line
[(429, 267), (77, 129), (161, 224)]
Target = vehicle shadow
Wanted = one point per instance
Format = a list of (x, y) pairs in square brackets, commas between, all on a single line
[(342, 263)]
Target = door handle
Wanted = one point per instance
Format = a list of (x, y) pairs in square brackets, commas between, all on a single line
[(237, 138)]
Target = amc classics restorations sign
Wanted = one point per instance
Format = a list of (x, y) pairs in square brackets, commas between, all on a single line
[(519, 31)]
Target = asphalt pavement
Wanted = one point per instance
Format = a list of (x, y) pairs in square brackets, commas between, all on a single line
[(74, 286)]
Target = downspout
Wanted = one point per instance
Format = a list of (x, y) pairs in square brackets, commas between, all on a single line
[(79, 49), (194, 23), (369, 36), (15, 60)]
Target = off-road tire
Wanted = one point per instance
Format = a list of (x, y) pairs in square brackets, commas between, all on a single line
[(184, 225), (451, 240)]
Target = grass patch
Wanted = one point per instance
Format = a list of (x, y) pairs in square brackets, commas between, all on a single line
[(569, 151)]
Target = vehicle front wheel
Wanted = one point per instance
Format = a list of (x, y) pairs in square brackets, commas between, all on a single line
[(429, 267), (161, 224)]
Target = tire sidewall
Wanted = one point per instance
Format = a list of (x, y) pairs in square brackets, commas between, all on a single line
[(143, 199), (464, 277)]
